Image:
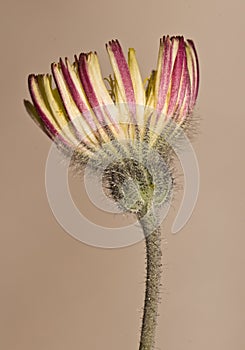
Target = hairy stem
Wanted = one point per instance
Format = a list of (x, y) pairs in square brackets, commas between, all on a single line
[(153, 276), (133, 187)]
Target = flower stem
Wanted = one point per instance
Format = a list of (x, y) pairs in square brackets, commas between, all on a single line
[(153, 276)]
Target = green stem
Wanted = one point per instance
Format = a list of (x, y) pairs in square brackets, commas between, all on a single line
[(153, 276)]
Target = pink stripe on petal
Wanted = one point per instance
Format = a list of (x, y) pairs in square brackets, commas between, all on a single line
[(77, 99), (165, 73), (54, 66), (52, 131), (184, 83), (84, 76), (124, 71), (64, 92), (31, 81), (176, 76), (76, 96), (88, 87)]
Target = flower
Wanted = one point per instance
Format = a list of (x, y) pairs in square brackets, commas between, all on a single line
[(92, 117), (82, 110)]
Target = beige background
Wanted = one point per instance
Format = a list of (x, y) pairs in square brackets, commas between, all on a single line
[(59, 294)]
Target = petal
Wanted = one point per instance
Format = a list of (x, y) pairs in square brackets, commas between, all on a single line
[(150, 90), (122, 74), (185, 105), (42, 108), (106, 122), (75, 87), (75, 135), (54, 104), (73, 112), (163, 74), (124, 91), (101, 102), (139, 91), (193, 68), (176, 77)]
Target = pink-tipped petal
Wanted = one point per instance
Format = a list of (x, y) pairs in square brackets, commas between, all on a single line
[(89, 89), (73, 112), (74, 84), (69, 104), (85, 79), (176, 77), (76, 93), (164, 70), (121, 71), (40, 106), (106, 105)]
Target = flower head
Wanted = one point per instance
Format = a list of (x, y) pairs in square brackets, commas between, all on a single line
[(81, 108), (83, 112)]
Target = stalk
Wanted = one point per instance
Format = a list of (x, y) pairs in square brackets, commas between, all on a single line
[(152, 287), (134, 189)]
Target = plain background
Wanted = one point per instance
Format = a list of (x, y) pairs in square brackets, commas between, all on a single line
[(57, 293)]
